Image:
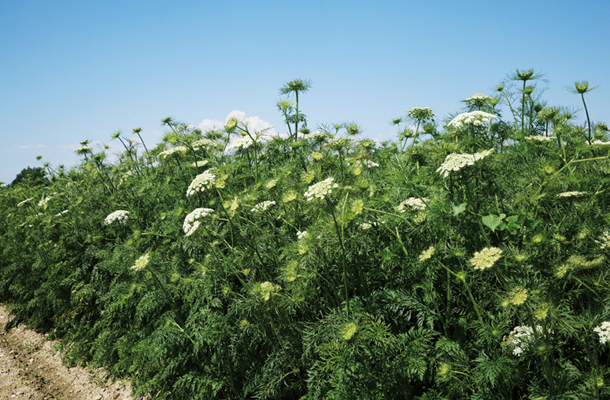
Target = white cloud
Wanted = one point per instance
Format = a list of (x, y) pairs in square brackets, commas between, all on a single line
[(208, 125), (254, 123)]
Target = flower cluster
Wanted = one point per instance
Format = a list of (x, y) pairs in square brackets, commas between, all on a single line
[(265, 290), (520, 338), (320, 136), (518, 295), (193, 220), (477, 98), (474, 118), (141, 262), (604, 240), (119, 216), (348, 330), (201, 182), (571, 194), (83, 150), (197, 144), (579, 261), (241, 143), (455, 161), (486, 258), (44, 202), (420, 114), (603, 331), (200, 163), (426, 254), (321, 189), (23, 202), (169, 152), (262, 206), (366, 163), (413, 203), (540, 138), (365, 225)]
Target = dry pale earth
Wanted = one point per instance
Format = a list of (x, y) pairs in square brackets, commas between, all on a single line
[(30, 368)]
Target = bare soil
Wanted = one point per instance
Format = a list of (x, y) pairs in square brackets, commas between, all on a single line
[(30, 368)]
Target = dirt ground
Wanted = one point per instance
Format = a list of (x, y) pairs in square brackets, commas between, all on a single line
[(31, 369)]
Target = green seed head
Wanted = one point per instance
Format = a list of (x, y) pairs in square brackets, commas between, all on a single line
[(525, 75)]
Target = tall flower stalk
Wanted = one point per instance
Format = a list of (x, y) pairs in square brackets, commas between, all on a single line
[(581, 88), (296, 86)]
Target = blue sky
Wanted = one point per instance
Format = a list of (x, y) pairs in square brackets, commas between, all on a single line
[(76, 70)]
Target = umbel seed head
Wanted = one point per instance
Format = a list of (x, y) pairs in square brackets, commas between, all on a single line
[(581, 87), (525, 75)]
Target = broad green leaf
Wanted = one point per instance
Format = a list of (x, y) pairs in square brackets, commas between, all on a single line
[(457, 210), (492, 221)]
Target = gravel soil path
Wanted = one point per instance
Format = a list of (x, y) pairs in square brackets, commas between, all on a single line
[(31, 369)]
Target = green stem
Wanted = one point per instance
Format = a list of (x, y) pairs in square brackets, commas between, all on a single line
[(332, 212), (582, 95)]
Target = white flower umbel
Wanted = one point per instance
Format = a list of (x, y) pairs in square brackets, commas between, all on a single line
[(302, 235), (201, 182), (203, 143), (266, 289), (604, 240), (477, 98), (603, 331), (246, 141), (473, 118), (571, 194), (366, 163), (119, 217), (193, 220), (83, 150), (321, 189), (455, 161), (482, 154), (24, 201), (263, 206), (486, 258), (200, 163), (169, 152), (44, 201), (540, 138), (413, 203), (141, 262), (520, 338), (426, 254)]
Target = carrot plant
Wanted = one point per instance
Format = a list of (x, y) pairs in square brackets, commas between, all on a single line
[(233, 264)]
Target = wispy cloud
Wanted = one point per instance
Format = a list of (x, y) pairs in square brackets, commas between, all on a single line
[(29, 147)]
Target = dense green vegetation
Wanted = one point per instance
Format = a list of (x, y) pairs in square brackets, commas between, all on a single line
[(466, 260)]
